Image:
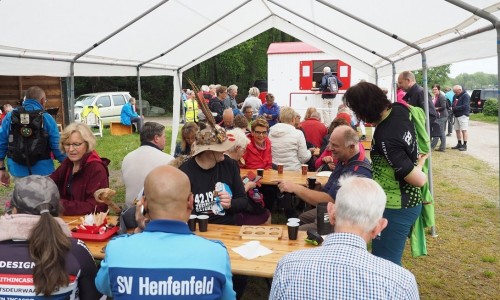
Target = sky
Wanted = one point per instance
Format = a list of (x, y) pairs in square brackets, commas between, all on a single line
[(486, 65)]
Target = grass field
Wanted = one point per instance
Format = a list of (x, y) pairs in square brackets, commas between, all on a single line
[(463, 261)]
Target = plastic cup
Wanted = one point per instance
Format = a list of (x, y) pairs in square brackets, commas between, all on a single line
[(192, 222), (304, 169), (280, 169), (203, 223), (323, 219), (260, 172), (293, 230), (311, 182)]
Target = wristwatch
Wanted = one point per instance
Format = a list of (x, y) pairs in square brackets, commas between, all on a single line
[(2, 168)]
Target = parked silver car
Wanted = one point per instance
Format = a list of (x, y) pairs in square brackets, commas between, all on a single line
[(109, 103)]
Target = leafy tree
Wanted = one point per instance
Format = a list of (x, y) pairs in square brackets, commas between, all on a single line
[(436, 75), (240, 65), (477, 80)]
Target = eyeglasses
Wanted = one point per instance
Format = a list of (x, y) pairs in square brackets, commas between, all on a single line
[(75, 145), (260, 132)]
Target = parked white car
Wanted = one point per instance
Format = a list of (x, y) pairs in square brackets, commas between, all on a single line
[(109, 103)]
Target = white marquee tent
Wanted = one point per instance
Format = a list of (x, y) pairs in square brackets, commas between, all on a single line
[(152, 37)]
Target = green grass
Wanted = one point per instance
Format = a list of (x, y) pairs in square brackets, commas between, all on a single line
[(481, 117)]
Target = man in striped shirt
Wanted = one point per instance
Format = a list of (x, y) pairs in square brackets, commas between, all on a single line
[(342, 268)]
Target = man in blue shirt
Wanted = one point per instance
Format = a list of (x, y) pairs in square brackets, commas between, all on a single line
[(166, 260), (344, 144), (129, 116), (342, 268), (35, 100), (461, 110)]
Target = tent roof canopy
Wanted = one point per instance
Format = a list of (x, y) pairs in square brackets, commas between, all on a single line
[(113, 38)]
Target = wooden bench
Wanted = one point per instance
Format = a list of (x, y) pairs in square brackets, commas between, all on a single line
[(118, 128)]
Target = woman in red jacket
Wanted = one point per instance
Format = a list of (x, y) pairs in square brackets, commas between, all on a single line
[(82, 172), (258, 154)]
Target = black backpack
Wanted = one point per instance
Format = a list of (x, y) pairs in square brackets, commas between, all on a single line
[(28, 141)]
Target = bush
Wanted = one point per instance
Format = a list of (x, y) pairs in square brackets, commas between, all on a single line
[(490, 108)]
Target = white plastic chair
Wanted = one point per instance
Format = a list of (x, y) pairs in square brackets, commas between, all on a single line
[(92, 120)]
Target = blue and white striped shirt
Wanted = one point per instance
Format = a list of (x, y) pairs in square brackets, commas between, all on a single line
[(341, 268)]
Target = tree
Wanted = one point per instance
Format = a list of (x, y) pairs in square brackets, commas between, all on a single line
[(240, 65), (477, 80), (436, 75)]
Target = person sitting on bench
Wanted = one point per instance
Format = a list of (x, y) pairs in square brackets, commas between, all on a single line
[(129, 116)]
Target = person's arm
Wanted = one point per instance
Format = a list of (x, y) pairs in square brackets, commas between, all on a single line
[(228, 292), (54, 136), (4, 143), (275, 112), (339, 83), (129, 111), (324, 82), (261, 110), (312, 197), (239, 200), (416, 177), (403, 166), (442, 104), (88, 270), (461, 103), (276, 292), (303, 153), (102, 281), (324, 158)]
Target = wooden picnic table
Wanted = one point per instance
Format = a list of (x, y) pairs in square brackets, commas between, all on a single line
[(263, 266), (271, 177)]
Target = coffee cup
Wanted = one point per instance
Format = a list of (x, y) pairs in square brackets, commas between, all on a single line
[(260, 172), (293, 230), (311, 182), (280, 168), (304, 169), (192, 222), (203, 223)]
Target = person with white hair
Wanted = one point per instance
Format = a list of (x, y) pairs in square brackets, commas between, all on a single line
[(461, 110), (230, 101), (253, 101), (342, 268)]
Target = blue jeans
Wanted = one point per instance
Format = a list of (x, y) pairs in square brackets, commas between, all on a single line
[(391, 241), (138, 122)]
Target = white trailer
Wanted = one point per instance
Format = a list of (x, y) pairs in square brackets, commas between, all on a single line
[(294, 73)]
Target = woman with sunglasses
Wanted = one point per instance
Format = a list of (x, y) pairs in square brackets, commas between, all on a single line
[(82, 172)]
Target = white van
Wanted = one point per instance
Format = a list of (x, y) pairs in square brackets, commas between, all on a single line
[(109, 103)]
